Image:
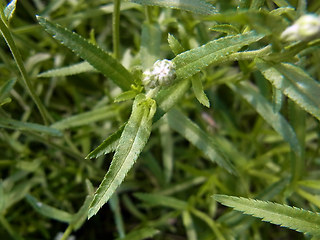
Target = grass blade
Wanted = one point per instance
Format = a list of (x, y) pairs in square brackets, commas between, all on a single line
[(140, 234), (49, 211), (160, 200), (98, 58), (25, 126), (193, 61), (198, 7), (283, 215), (68, 71), (189, 130), (294, 83), (132, 141)]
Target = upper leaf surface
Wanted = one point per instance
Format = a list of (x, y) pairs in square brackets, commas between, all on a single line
[(98, 58), (283, 215), (193, 61), (294, 83), (198, 7), (132, 141)]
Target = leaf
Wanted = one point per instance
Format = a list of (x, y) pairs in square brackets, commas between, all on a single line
[(150, 44), (6, 88), (25, 126), (294, 83), (174, 44), (9, 10), (193, 61), (79, 218), (139, 234), (68, 71), (98, 58), (189, 225), (225, 28), (154, 199), (49, 211), (291, 217), (265, 109), (198, 91), (189, 130), (198, 7), (86, 118), (127, 95), (132, 141), (108, 145)]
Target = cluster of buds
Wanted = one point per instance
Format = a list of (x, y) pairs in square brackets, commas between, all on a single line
[(162, 73), (306, 28)]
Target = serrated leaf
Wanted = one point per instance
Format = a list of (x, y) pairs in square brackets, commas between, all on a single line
[(98, 58), (49, 211), (193, 61), (291, 217), (86, 118), (150, 42), (68, 71), (132, 141), (108, 145), (265, 109), (140, 234), (189, 130), (154, 199), (294, 83), (25, 126), (9, 10), (198, 91), (198, 7)]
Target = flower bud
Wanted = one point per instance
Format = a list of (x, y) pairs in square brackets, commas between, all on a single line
[(306, 28), (162, 73)]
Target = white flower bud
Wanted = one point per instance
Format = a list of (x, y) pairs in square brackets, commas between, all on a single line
[(162, 73), (306, 28)]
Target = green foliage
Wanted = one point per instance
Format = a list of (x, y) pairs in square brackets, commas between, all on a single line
[(87, 150), (286, 216)]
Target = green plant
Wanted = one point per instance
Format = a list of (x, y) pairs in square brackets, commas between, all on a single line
[(234, 92)]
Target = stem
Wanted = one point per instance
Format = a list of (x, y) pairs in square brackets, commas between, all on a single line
[(6, 225), (18, 59), (67, 233), (148, 14), (115, 28)]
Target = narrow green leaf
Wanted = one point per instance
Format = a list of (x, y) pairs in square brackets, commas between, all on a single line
[(127, 95), (189, 130), (291, 217), (198, 91), (189, 226), (115, 207), (80, 217), (9, 10), (86, 118), (132, 141), (98, 58), (150, 44), (174, 44), (25, 126), (108, 145), (198, 7), (277, 99), (265, 109), (140, 234), (68, 71), (154, 199), (193, 61), (294, 83), (6, 88), (225, 28), (49, 211)]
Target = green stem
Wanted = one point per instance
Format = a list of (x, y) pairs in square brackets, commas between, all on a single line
[(18, 59), (115, 28), (148, 14), (248, 55), (67, 233)]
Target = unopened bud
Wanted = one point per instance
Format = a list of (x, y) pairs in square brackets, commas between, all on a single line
[(306, 28), (162, 73)]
